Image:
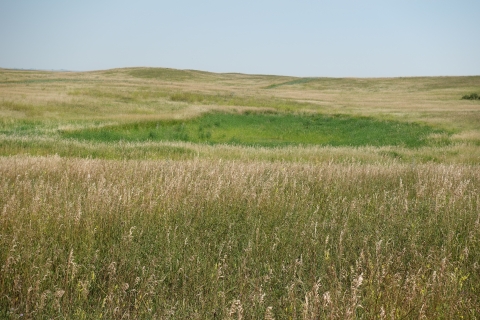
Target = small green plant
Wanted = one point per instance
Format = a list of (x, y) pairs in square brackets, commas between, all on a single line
[(472, 96)]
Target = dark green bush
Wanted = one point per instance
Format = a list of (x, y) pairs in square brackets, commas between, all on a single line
[(472, 96)]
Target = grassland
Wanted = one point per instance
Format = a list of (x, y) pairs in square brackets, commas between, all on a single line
[(179, 194), (39, 109)]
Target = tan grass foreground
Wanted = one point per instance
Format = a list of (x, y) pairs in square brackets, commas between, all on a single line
[(199, 239)]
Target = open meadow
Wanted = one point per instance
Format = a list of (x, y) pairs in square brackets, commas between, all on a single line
[(175, 194)]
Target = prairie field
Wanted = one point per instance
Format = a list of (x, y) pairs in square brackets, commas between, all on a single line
[(152, 193)]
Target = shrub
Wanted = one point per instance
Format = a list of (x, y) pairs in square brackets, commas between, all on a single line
[(472, 96)]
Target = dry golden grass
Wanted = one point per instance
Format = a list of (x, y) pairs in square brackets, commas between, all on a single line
[(434, 99), (204, 239)]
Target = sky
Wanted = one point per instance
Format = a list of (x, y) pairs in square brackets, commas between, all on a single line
[(307, 38)]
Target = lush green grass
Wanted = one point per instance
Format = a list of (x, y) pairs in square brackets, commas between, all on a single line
[(267, 129), (19, 127)]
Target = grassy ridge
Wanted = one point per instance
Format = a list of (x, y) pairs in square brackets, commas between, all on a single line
[(205, 239)]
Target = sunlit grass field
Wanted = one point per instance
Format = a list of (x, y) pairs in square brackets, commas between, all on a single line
[(177, 194)]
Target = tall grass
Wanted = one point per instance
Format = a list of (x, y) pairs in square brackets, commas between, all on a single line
[(93, 239), (155, 150)]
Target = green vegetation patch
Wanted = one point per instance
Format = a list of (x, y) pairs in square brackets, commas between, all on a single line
[(166, 74), (267, 130), (472, 96)]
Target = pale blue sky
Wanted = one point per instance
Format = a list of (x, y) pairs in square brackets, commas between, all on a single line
[(300, 38)]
